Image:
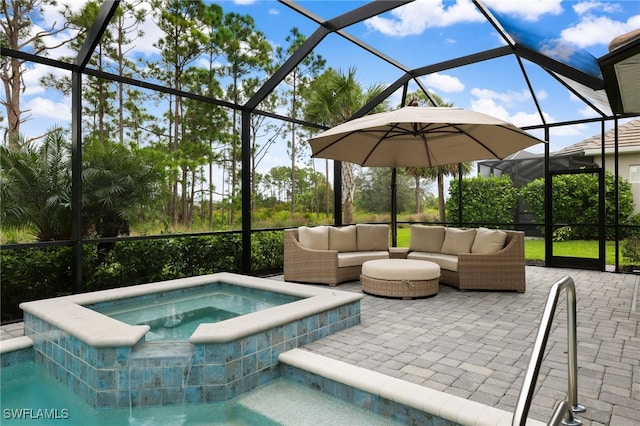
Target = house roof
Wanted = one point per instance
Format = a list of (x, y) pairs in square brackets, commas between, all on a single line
[(628, 138)]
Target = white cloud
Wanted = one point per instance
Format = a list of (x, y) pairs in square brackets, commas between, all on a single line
[(562, 131), (273, 11), (527, 10), (490, 107), (46, 108), (510, 97), (587, 6), (144, 45), (522, 119), (415, 17), (33, 74), (493, 103), (594, 30), (542, 95), (444, 82)]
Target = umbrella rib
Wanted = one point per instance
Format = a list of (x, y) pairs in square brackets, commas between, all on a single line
[(334, 142), (476, 139), (426, 149), (384, 136)]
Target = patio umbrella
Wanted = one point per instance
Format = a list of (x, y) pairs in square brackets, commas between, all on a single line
[(420, 137)]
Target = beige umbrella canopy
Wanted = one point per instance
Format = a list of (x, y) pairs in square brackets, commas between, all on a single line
[(420, 137)]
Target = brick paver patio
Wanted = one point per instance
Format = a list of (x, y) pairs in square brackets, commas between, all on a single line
[(477, 344)]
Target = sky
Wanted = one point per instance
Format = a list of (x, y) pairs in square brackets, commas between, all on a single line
[(418, 34)]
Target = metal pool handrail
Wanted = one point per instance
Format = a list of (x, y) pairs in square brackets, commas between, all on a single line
[(565, 408)]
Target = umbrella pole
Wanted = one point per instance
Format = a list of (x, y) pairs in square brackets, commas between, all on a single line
[(394, 208)]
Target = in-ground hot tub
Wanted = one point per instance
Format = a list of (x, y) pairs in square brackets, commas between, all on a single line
[(111, 364), (174, 315)]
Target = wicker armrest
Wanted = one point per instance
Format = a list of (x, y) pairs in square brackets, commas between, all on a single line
[(501, 270), (307, 265)]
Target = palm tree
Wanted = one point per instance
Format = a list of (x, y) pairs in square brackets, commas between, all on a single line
[(439, 172), (332, 99), (418, 173), (35, 186)]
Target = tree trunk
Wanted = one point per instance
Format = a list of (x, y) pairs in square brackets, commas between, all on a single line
[(348, 189), (417, 194), (12, 91), (441, 196), (326, 195)]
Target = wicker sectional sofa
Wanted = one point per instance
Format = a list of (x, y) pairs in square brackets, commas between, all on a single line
[(469, 259), (332, 255), (472, 259)]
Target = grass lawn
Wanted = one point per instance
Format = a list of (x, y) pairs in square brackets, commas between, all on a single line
[(534, 248)]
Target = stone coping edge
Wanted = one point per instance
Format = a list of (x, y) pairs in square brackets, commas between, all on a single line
[(15, 344), (449, 407)]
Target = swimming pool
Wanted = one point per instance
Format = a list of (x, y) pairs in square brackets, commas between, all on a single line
[(30, 396), (111, 364)]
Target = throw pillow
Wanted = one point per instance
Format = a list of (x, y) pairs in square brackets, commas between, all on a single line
[(458, 241), (343, 239), (427, 239), (372, 237), (316, 238), (488, 240)]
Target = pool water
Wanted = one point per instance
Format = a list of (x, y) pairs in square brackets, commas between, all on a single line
[(30, 396), (176, 315)]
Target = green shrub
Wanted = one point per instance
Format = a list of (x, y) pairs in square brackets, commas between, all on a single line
[(32, 274), (575, 201), (484, 200), (631, 250)]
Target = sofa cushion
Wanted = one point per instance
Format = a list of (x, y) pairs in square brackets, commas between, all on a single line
[(458, 241), (488, 240), (426, 238), (343, 239), (316, 238), (357, 258), (445, 261), (372, 237)]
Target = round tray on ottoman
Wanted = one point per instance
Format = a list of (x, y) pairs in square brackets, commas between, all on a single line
[(406, 278)]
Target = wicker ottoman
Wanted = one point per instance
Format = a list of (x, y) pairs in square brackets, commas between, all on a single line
[(405, 278)]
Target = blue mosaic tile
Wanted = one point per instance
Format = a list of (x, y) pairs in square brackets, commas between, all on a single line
[(122, 356), (263, 359), (233, 371), (262, 341), (363, 399), (290, 331), (249, 364), (248, 383), (197, 373), (214, 353), (173, 376), (198, 354), (276, 350), (172, 396), (123, 400), (233, 351), (249, 345), (214, 393), (106, 379), (193, 395)]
